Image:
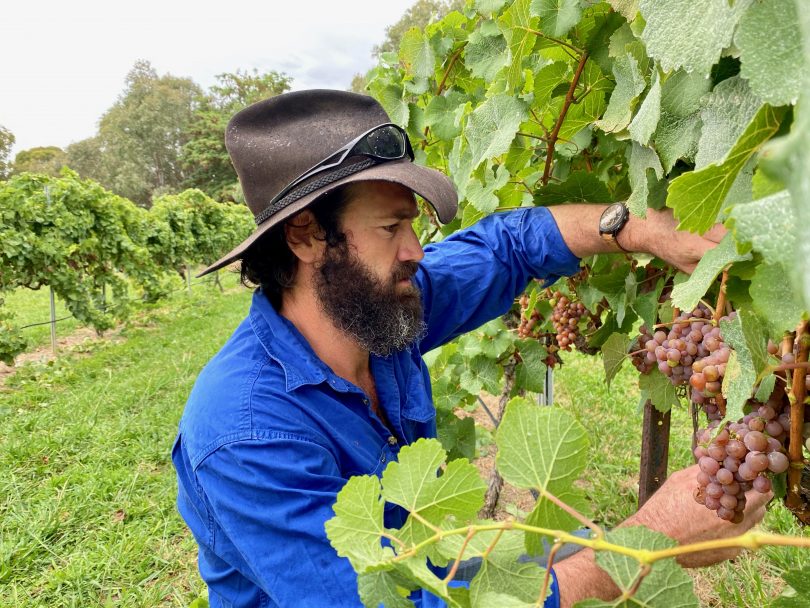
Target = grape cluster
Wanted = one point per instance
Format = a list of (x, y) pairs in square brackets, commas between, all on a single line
[(643, 360), (740, 456), (526, 327), (565, 318)]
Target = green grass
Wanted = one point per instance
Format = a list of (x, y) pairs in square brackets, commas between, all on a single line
[(33, 307), (87, 490), (87, 515)]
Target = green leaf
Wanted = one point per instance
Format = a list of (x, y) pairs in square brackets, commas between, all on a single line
[(765, 388), (676, 138), (545, 449), (578, 187), (457, 436), (530, 373), (798, 596), (485, 53), (726, 113), (770, 46), (686, 34), (556, 16), (738, 381), (768, 226), (546, 81), (629, 85), (627, 8), (416, 53), (646, 305), (646, 119), (667, 585), (697, 197), (515, 23), (492, 127), (482, 196), (657, 388), (480, 374), (614, 353), (755, 333), (384, 588), (391, 100), (686, 295), (357, 527), (440, 115), (642, 159), (774, 298)]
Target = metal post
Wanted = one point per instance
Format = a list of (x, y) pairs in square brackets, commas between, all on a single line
[(53, 300), (188, 278), (654, 452), (547, 396)]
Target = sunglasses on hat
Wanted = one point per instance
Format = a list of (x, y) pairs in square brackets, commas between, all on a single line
[(383, 143)]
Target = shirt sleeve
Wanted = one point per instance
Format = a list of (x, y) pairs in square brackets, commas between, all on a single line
[(474, 275)]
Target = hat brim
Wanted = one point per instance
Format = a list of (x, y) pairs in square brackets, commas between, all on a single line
[(433, 186)]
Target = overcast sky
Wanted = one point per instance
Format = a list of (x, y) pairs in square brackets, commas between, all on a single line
[(62, 64)]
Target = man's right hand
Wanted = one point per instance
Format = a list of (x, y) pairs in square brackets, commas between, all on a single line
[(673, 511)]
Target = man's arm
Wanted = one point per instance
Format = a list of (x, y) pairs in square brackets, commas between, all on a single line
[(656, 234), (672, 511)]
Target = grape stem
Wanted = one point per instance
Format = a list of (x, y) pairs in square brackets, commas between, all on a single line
[(547, 578), (721, 298), (557, 40), (569, 98), (454, 568), (793, 499)]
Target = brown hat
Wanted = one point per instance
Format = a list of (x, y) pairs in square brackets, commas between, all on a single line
[(275, 141)]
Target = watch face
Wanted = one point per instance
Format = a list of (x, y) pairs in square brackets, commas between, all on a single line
[(612, 218)]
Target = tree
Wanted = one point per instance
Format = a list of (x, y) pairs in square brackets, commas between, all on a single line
[(137, 149), (48, 160), (419, 15), (204, 157), (6, 142)]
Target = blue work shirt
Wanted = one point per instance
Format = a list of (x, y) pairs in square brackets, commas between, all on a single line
[(270, 433)]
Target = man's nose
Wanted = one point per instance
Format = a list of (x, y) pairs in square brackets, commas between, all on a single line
[(410, 249)]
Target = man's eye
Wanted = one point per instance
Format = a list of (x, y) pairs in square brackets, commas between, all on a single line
[(391, 228)]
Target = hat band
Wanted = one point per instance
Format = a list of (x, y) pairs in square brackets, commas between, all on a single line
[(322, 181)]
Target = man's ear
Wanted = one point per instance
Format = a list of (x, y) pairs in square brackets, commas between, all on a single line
[(303, 234)]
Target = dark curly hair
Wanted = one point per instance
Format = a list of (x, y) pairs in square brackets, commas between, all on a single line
[(270, 264)]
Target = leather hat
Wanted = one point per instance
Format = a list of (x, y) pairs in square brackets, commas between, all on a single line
[(272, 142)]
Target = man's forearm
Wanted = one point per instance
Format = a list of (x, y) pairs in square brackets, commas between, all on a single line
[(579, 227), (579, 578)]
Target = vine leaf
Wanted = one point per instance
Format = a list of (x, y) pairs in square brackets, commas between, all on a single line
[(384, 588), (697, 197), (678, 130), (799, 581), (768, 226), (417, 54), (741, 373), (656, 388), (579, 187), (440, 115), (482, 196), (774, 298), (531, 371), (629, 85), (543, 449), (412, 483), (667, 585), (556, 16), (686, 295), (646, 119), (357, 526), (515, 23), (689, 35), (485, 53), (492, 126), (771, 50), (642, 159), (614, 352)]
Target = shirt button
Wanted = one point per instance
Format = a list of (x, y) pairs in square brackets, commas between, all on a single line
[(365, 401), (392, 440), (382, 458)]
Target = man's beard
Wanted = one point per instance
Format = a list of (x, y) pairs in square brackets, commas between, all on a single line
[(364, 307)]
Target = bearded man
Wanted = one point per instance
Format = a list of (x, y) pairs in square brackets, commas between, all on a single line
[(324, 379)]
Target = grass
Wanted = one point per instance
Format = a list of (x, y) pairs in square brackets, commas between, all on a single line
[(32, 307), (87, 515), (87, 490)]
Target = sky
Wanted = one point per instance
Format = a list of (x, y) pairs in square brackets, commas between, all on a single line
[(63, 64)]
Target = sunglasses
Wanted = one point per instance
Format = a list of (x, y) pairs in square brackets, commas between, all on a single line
[(383, 143)]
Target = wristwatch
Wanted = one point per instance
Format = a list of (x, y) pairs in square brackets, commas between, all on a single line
[(613, 219)]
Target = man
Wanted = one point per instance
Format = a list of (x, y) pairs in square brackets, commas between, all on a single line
[(324, 379)]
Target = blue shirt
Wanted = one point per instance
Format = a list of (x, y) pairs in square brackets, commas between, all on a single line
[(270, 434)]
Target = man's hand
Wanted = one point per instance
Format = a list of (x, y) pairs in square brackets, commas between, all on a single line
[(658, 234), (673, 511)]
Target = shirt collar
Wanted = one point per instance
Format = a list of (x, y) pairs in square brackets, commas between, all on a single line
[(285, 344)]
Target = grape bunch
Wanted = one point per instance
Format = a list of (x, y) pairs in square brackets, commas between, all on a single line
[(740, 456), (565, 318), (527, 326), (643, 359)]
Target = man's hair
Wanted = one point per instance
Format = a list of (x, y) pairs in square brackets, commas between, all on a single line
[(269, 262)]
